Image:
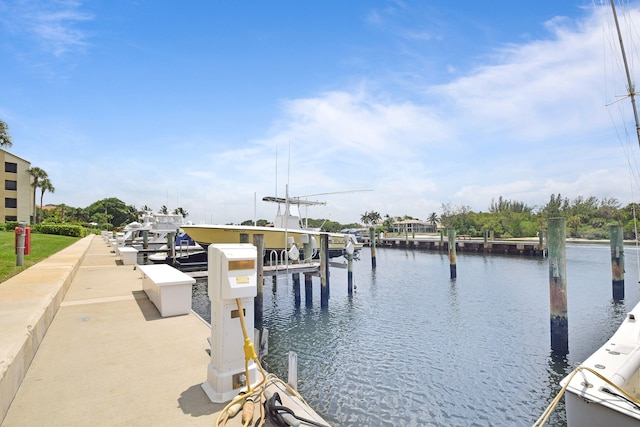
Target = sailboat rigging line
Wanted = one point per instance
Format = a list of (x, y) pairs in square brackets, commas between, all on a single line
[(629, 153), (334, 192), (630, 86), (631, 94), (635, 225), (286, 213)]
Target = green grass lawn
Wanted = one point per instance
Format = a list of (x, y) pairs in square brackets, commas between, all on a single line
[(42, 246)]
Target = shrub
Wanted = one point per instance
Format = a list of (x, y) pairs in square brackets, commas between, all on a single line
[(60, 229), (9, 226)]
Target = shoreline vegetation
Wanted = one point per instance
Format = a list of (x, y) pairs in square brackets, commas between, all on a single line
[(587, 217), (588, 221), (45, 245)]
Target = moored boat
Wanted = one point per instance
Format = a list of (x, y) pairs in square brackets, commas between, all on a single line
[(275, 238), (287, 233), (155, 226), (185, 251), (605, 389)]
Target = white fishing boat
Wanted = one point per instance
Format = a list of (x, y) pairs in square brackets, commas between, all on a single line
[(155, 226), (184, 251), (605, 389), (287, 233)]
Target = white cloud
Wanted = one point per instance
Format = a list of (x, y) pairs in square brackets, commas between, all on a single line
[(529, 123), (536, 91), (54, 25)]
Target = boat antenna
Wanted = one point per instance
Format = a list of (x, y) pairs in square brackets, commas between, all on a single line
[(289, 165), (630, 85), (286, 210)]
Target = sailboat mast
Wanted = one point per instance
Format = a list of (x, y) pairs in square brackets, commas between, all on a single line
[(630, 85), (631, 90)]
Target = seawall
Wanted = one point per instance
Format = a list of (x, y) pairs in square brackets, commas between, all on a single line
[(28, 303)]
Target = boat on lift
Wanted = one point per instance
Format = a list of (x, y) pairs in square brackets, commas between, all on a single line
[(155, 226), (287, 233), (185, 252)]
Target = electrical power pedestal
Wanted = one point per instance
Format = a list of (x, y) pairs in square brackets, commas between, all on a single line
[(232, 275)]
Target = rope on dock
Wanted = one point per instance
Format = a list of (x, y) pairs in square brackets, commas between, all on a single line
[(257, 393)]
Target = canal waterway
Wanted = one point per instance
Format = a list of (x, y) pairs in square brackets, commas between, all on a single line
[(412, 347)]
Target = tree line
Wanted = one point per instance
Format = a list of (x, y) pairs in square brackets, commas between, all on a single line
[(107, 213), (587, 217)]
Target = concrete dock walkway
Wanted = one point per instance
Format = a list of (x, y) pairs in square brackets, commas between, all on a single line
[(109, 359)]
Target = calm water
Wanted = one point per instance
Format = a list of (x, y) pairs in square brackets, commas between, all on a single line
[(411, 347)]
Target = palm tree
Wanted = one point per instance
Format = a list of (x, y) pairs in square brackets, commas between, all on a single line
[(45, 185), (370, 218), (62, 210), (374, 217), (5, 138), (133, 213), (181, 211), (37, 174), (365, 218), (433, 218)]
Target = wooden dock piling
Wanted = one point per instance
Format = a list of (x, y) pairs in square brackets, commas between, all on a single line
[(306, 248), (171, 244), (372, 240), (324, 270), (451, 236), (557, 247), (350, 274), (258, 242), (617, 261), (308, 289), (145, 246), (541, 237), (296, 288)]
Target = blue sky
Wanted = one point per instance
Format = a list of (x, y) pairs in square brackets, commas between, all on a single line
[(193, 104)]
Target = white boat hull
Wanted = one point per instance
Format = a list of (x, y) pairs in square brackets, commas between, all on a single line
[(585, 413), (274, 238), (592, 401)]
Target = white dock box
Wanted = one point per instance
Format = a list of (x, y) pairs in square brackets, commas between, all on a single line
[(168, 289), (128, 255)]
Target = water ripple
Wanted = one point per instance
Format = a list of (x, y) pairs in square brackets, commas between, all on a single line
[(412, 347)]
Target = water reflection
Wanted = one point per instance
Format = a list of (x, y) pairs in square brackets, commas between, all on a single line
[(617, 311), (557, 369), (413, 347)]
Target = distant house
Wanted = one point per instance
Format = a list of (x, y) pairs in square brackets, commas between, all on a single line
[(413, 226), (17, 192)]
